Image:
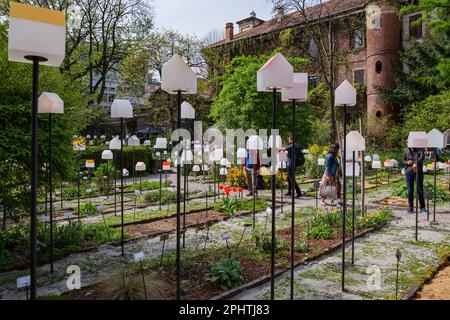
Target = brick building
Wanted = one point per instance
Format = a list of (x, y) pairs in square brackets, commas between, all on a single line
[(370, 35)]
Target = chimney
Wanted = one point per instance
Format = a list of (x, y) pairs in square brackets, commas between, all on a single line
[(229, 31), (279, 13)]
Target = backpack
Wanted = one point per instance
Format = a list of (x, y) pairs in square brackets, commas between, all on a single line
[(300, 158)]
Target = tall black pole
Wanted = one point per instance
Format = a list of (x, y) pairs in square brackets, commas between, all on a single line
[(121, 186), (34, 178), (184, 200), (160, 181), (178, 199), (344, 198), (293, 197), (435, 178), (50, 187), (416, 159), (254, 190), (273, 186), (353, 206)]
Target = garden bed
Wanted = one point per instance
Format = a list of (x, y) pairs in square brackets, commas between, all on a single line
[(253, 261)]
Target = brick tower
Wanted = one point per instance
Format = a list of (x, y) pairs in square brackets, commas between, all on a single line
[(383, 46)]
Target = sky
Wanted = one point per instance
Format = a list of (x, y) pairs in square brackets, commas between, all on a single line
[(201, 16)]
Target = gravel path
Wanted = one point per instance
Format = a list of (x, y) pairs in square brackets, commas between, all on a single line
[(318, 280)]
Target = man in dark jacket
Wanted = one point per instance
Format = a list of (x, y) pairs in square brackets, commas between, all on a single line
[(413, 164), (290, 161)]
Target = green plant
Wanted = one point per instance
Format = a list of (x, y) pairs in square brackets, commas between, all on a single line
[(301, 246), (228, 205), (441, 195), (153, 196), (374, 219), (149, 185), (87, 209), (123, 286), (227, 273), (263, 241)]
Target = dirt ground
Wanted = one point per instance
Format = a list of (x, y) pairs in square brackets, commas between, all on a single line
[(438, 288)]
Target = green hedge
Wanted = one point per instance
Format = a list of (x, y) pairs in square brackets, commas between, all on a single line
[(141, 153)]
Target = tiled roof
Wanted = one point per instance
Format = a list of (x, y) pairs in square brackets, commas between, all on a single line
[(331, 7)]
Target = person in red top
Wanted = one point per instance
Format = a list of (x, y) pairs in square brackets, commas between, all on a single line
[(251, 171)]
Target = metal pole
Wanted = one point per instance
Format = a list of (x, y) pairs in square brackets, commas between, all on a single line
[(184, 202), (417, 194), (50, 187), (293, 197), (115, 191), (435, 178), (344, 196), (178, 201), (34, 178), (353, 209), (273, 186), (121, 186), (160, 182), (61, 196), (254, 191)]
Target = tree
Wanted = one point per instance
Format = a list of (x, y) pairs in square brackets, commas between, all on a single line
[(422, 76), (318, 30), (436, 14), (15, 125), (240, 106), (100, 34)]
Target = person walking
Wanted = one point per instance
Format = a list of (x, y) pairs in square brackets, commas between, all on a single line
[(413, 163), (331, 174), (299, 161), (251, 171)]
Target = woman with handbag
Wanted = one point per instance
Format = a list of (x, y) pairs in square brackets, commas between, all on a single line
[(330, 186)]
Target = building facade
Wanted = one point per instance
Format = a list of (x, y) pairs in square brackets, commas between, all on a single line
[(370, 34)]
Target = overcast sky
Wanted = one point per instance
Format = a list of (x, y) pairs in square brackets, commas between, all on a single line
[(200, 16)]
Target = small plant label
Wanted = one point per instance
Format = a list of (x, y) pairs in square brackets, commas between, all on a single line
[(46, 219), (68, 214), (166, 166), (226, 236), (100, 207), (23, 282), (88, 190), (137, 193), (138, 256), (164, 237)]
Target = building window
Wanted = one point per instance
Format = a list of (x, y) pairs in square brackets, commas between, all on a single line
[(313, 51), (415, 27), (358, 76), (358, 39), (378, 67), (313, 81)]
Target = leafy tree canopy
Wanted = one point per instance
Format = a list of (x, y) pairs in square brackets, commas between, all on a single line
[(239, 105)]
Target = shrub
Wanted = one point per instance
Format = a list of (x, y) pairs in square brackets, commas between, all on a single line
[(227, 273), (237, 177)]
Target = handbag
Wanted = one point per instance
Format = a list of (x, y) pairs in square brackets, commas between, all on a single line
[(328, 190)]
